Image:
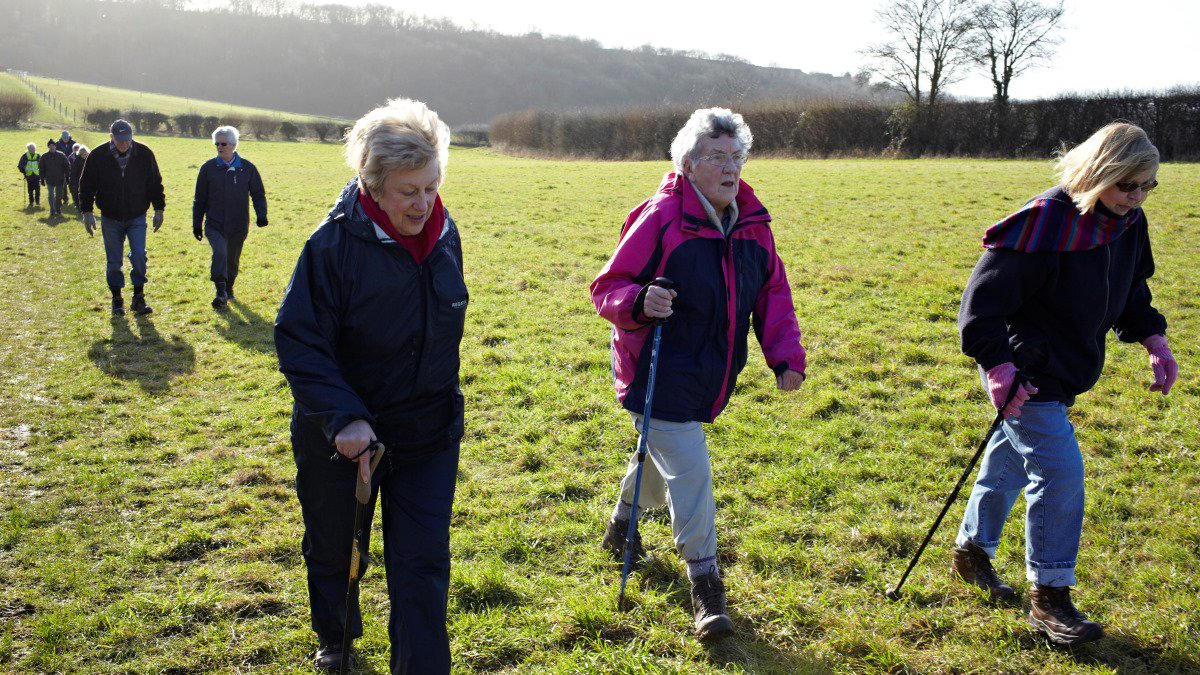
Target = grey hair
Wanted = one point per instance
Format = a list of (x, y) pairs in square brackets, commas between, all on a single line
[(228, 132), (80, 147), (713, 123), (31, 146), (75, 147), (402, 134)]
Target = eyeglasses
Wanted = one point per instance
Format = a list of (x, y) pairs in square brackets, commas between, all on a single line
[(221, 145), (1134, 186), (738, 159)]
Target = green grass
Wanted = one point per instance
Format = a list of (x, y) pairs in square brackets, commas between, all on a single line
[(81, 97), (148, 521), (44, 114)]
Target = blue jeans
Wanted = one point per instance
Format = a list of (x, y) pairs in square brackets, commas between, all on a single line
[(1036, 452), (54, 195), (115, 232), (226, 256)]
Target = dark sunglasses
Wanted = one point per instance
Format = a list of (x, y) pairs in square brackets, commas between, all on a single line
[(1134, 186), (221, 145)]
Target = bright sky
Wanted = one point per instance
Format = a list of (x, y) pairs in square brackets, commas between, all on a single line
[(1107, 44)]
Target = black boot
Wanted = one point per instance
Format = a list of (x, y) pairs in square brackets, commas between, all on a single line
[(708, 606), (614, 542), (972, 565), (118, 305), (330, 655), (221, 298), (1052, 612), (139, 305)]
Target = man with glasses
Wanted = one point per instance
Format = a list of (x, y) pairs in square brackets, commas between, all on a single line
[(225, 187), (122, 178)]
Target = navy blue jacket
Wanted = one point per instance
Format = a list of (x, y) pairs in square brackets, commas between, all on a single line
[(1049, 312), (364, 332), (223, 194)]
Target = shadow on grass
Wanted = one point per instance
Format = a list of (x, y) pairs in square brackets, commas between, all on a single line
[(148, 359), (242, 326), (1125, 655), (744, 648)]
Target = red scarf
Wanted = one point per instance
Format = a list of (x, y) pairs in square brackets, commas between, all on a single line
[(419, 246)]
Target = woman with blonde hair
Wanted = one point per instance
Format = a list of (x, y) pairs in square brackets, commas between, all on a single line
[(1055, 278), (368, 336)]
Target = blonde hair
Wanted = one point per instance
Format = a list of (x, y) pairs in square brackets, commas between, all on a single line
[(403, 134), (1119, 151)]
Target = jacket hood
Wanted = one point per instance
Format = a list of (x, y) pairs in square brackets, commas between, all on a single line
[(749, 207)]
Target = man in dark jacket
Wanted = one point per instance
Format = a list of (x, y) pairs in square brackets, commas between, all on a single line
[(29, 166), (65, 144), (55, 169), (224, 188), (122, 178)]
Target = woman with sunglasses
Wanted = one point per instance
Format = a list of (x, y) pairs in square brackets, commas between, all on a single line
[(1055, 278), (707, 232), (225, 187)]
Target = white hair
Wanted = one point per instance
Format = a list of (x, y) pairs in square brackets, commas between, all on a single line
[(31, 146), (75, 147), (402, 134), (81, 148), (713, 123), (228, 132)]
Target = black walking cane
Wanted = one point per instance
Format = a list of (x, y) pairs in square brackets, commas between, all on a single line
[(894, 593), (643, 443), (362, 494)]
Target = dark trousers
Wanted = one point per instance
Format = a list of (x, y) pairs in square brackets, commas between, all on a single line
[(417, 500), (34, 185), (226, 256)]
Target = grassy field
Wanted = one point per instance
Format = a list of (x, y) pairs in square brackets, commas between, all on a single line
[(148, 522), (81, 97), (44, 113)]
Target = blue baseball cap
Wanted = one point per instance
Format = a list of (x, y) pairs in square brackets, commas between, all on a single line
[(121, 131)]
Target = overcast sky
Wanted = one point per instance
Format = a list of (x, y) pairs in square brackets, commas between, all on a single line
[(1107, 44)]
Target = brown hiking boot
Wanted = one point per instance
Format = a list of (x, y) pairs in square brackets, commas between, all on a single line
[(1053, 613), (972, 565), (708, 606), (614, 542)]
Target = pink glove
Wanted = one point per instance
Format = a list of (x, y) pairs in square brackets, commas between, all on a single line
[(1162, 361), (1000, 379)]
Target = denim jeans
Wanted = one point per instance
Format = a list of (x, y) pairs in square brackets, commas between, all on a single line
[(677, 472), (115, 233), (1036, 452), (226, 256), (54, 196)]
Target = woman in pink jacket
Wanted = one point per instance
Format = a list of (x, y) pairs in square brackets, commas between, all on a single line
[(706, 231)]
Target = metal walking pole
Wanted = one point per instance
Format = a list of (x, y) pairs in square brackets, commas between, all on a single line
[(643, 444), (362, 495), (894, 593)]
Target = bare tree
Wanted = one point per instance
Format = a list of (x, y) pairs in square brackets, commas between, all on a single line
[(1013, 36), (900, 60), (950, 34)]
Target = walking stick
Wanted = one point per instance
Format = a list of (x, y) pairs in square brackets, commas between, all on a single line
[(362, 495), (894, 593), (643, 444)]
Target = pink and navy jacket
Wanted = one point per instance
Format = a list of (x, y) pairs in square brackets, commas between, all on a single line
[(722, 283)]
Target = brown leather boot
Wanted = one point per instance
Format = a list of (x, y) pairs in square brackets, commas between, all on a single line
[(1053, 613), (972, 565), (614, 542), (708, 606)]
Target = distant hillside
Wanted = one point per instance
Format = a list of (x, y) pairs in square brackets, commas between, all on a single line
[(339, 61)]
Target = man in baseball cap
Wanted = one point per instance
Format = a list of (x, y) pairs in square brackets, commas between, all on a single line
[(122, 178)]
